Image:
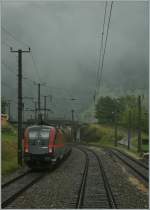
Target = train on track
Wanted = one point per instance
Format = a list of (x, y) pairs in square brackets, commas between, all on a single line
[(44, 145)]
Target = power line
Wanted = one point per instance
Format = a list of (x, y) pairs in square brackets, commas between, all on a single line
[(8, 68), (35, 66), (108, 25), (6, 44), (6, 85), (19, 41), (25, 44), (10, 34), (101, 48)]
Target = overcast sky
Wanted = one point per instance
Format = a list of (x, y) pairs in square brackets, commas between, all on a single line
[(65, 39)]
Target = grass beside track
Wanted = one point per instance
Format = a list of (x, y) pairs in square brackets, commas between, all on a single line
[(9, 150), (103, 136)]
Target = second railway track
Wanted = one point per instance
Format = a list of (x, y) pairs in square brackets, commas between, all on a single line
[(14, 187), (140, 169), (11, 190)]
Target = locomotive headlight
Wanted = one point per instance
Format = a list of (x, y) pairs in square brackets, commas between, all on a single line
[(50, 150)]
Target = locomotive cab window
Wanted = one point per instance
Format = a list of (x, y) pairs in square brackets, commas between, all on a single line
[(44, 134), (33, 134)]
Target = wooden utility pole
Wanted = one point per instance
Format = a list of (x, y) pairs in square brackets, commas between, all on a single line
[(129, 128), (139, 124), (19, 52)]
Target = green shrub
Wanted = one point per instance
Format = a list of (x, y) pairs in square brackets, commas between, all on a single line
[(101, 134)]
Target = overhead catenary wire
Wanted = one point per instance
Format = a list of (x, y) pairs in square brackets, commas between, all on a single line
[(8, 86), (18, 41), (35, 67), (25, 44), (101, 48), (14, 37), (102, 64), (6, 44), (33, 59), (9, 69), (21, 42)]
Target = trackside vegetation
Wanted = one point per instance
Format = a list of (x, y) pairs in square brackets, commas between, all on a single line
[(9, 149), (124, 112), (108, 108), (102, 135)]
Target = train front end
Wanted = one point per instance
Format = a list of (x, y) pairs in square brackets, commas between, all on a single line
[(39, 145)]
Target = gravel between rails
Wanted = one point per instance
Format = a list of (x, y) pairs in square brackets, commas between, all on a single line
[(95, 195), (128, 192), (58, 189)]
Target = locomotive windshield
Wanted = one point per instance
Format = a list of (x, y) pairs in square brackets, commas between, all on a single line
[(39, 133), (44, 133), (33, 134)]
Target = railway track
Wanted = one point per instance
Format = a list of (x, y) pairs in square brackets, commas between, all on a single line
[(15, 178), (139, 168), (14, 187), (95, 191), (139, 162), (11, 190)]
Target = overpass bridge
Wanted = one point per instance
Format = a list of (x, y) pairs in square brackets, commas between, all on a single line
[(54, 122)]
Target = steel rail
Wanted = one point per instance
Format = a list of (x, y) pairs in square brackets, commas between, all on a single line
[(110, 196), (15, 179), (133, 159), (131, 166), (15, 195), (81, 191)]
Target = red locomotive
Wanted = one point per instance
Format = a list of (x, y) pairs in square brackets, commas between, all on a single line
[(43, 145)]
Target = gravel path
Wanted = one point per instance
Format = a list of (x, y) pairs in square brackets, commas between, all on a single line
[(62, 194), (129, 192)]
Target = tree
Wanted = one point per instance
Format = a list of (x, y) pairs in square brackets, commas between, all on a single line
[(105, 109)]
